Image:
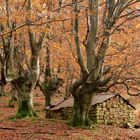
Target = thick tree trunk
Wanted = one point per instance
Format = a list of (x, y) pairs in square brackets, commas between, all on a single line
[(25, 104), (49, 88), (25, 107), (47, 104), (45, 89), (23, 86), (47, 99), (82, 105)]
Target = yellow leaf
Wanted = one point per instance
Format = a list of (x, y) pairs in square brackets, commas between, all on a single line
[(138, 25)]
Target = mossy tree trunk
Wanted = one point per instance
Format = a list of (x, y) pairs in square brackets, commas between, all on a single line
[(25, 108), (47, 98), (81, 89), (47, 94), (81, 108), (49, 87), (24, 85), (25, 97), (26, 80), (25, 105), (50, 83), (94, 77)]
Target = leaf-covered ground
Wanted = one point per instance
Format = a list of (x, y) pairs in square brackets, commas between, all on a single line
[(45, 129)]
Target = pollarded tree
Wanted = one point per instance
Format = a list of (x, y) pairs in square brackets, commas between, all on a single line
[(103, 19), (50, 82), (24, 80), (25, 84)]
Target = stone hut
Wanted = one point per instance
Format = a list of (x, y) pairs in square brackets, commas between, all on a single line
[(110, 109)]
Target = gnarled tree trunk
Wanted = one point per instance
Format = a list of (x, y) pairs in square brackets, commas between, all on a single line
[(25, 97), (81, 92), (81, 108), (50, 84), (26, 81)]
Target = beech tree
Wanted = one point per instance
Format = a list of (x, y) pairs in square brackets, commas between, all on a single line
[(25, 84), (24, 79), (7, 50), (104, 18), (50, 83), (34, 25)]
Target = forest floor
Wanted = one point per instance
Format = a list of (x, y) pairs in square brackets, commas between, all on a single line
[(49, 129)]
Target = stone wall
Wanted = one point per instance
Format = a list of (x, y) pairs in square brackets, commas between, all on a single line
[(114, 111)]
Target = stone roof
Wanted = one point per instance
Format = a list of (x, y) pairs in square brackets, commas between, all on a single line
[(100, 98)]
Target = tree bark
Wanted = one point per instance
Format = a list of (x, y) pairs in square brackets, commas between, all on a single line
[(81, 93), (45, 89), (82, 105), (23, 86), (25, 106), (50, 83), (47, 100)]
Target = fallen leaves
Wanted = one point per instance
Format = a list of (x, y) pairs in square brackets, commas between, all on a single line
[(44, 129)]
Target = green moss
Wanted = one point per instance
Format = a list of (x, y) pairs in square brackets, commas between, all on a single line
[(24, 110), (19, 116), (80, 123), (25, 113), (89, 125), (12, 119), (73, 122), (22, 114)]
